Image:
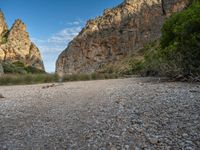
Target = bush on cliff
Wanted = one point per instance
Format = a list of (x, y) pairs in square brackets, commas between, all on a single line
[(180, 40), (178, 53), (19, 67)]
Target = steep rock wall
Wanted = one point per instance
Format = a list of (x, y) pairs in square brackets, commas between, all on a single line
[(114, 35)]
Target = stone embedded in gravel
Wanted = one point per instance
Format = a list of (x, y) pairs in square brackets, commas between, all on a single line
[(153, 140), (1, 96), (48, 86), (113, 148)]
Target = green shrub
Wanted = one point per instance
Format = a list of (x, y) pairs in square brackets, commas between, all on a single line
[(85, 77), (13, 79), (180, 41), (178, 53), (18, 64), (20, 68), (33, 70), (4, 37), (94, 76), (3, 40)]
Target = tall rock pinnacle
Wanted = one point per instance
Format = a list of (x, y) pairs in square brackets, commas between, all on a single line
[(3, 25), (17, 46)]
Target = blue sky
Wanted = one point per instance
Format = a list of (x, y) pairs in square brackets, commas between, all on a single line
[(53, 23)]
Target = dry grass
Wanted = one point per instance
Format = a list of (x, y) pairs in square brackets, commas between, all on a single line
[(18, 79)]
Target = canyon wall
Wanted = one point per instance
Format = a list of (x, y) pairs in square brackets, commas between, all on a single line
[(120, 31)]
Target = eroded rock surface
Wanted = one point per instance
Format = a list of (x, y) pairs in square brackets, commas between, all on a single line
[(3, 26), (118, 32), (15, 45)]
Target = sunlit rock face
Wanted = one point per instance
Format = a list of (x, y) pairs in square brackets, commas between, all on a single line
[(15, 45), (118, 32), (3, 26)]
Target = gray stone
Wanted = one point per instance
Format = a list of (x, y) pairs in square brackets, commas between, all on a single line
[(1, 96)]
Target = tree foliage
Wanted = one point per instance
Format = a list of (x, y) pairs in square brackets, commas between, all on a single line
[(178, 53), (180, 42), (19, 67)]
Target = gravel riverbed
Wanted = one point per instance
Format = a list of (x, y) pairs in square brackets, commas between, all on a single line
[(124, 114)]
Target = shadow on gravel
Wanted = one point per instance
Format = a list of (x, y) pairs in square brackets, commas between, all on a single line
[(152, 80), (156, 80), (1, 96)]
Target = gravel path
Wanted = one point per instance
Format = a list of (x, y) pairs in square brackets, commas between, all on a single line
[(135, 113)]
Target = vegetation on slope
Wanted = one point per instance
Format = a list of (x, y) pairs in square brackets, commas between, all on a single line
[(178, 53), (17, 73), (3, 37), (20, 79), (20, 68)]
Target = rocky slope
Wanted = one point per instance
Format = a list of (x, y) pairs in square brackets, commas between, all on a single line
[(119, 32), (15, 45)]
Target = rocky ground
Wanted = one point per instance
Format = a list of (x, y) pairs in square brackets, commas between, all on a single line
[(135, 113)]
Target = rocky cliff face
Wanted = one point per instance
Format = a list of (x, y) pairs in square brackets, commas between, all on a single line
[(3, 27), (15, 45), (117, 33)]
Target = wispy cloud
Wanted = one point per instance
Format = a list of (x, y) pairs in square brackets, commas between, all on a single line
[(36, 40), (65, 35), (57, 41), (50, 50), (75, 23), (52, 46)]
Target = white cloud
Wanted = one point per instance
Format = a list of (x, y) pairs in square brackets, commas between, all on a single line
[(54, 49), (65, 36), (58, 41), (35, 40), (51, 47), (74, 23)]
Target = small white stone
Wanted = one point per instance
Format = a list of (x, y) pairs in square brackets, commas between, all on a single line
[(185, 135), (153, 140), (191, 96), (127, 146), (113, 148)]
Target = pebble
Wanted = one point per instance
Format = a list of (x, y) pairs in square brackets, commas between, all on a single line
[(153, 140), (105, 114)]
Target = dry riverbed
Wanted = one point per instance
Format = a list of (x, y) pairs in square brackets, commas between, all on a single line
[(135, 113)]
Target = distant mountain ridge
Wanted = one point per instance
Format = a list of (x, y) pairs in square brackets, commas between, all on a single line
[(15, 45), (120, 31)]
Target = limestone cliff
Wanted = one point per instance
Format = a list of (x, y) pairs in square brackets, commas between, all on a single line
[(15, 45), (117, 33), (3, 27)]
